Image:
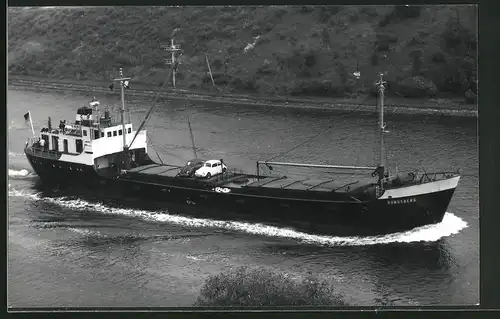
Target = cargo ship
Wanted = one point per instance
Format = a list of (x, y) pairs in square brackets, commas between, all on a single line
[(99, 153)]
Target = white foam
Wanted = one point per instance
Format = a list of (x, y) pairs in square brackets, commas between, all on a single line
[(450, 225), (13, 154), (22, 172), (86, 232), (194, 258), (23, 193)]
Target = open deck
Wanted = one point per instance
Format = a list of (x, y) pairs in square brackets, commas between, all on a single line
[(155, 169), (307, 184), (162, 172), (157, 172)]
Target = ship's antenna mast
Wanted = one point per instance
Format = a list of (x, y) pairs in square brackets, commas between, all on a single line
[(381, 89), (172, 48), (123, 82)]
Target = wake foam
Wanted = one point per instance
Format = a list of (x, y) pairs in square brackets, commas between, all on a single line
[(20, 174), (86, 232), (450, 225), (13, 154), (24, 193)]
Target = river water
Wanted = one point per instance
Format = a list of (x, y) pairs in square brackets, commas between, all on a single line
[(69, 251)]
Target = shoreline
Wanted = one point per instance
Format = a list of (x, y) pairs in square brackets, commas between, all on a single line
[(146, 91)]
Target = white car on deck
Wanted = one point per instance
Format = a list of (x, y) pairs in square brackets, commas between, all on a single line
[(211, 168)]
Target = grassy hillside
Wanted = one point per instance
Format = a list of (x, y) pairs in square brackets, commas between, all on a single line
[(301, 50)]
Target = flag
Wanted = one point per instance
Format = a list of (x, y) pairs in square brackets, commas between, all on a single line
[(27, 118)]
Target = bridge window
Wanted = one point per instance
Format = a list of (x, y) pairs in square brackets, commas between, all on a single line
[(114, 133), (120, 132), (109, 134), (129, 130)]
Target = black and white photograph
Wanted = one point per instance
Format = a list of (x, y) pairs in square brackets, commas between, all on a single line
[(242, 156)]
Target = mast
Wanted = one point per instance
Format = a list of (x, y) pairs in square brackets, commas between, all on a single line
[(123, 82), (381, 89)]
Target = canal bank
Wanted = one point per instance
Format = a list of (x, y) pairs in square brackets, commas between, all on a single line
[(440, 107)]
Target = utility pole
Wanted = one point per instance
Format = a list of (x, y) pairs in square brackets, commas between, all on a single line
[(209, 70), (173, 49)]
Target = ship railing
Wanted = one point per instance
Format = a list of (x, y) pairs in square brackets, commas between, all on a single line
[(425, 177), (227, 176), (40, 151), (420, 177), (269, 164), (31, 141), (316, 165), (73, 131)]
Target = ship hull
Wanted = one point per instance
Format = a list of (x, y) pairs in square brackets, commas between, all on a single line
[(337, 217), (57, 172), (343, 218)]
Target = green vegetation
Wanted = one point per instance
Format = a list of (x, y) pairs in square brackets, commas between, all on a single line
[(262, 287), (301, 50)]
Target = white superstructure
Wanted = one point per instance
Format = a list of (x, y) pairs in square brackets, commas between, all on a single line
[(91, 141)]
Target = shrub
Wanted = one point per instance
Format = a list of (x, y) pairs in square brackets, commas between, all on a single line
[(280, 12), (400, 13), (438, 57), (384, 41), (406, 12), (470, 97), (262, 287), (417, 86), (244, 84), (306, 9), (266, 70), (416, 64)]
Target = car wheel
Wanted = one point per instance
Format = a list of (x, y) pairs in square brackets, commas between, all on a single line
[(209, 175)]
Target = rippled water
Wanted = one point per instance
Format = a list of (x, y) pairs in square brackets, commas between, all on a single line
[(71, 250)]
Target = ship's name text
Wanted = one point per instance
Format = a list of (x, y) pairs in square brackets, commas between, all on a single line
[(402, 201)]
